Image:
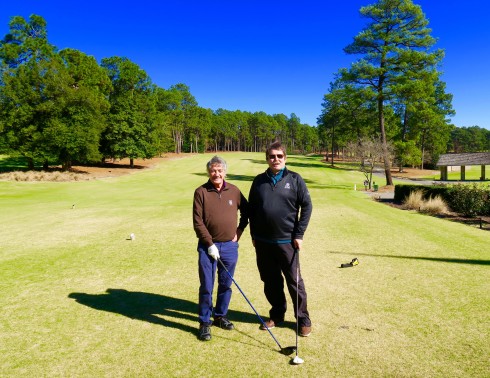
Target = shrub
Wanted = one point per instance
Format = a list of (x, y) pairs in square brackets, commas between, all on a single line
[(403, 190), (470, 200), (466, 199)]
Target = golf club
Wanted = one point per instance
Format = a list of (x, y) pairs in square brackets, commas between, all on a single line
[(297, 360), (287, 350)]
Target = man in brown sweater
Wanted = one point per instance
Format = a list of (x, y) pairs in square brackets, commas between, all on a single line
[(215, 209)]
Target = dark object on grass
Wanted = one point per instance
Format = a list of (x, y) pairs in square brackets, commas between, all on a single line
[(354, 262)]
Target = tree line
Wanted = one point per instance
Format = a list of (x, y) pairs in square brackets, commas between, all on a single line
[(390, 105), (64, 107)]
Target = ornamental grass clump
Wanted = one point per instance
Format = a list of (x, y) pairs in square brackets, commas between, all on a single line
[(413, 201), (433, 206)]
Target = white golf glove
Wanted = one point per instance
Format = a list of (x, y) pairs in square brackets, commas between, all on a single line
[(213, 252)]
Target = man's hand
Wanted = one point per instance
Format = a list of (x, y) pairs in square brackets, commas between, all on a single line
[(213, 252), (237, 235), (298, 243)]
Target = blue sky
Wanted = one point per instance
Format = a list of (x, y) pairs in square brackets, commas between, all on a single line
[(271, 56)]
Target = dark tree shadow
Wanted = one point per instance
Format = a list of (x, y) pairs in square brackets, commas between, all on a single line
[(19, 163), (15, 163), (315, 164), (231, 177), (436, 259), (305, 162), (314, 185), (107, 165), (153, 308), (258, 161)]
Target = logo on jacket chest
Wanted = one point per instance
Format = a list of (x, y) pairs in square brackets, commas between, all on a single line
[(287, 186)]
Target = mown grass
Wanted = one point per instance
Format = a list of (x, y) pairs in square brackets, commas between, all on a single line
[(80, 299)]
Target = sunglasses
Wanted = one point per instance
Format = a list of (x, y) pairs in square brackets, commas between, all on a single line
[(279, 156)]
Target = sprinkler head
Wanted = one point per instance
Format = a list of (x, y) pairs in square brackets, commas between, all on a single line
[(297, 361)]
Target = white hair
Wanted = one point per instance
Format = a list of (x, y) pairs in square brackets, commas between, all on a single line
[(215, 161)]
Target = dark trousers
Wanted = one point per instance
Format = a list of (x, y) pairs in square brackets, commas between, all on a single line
[(274, 261), (207, 273)]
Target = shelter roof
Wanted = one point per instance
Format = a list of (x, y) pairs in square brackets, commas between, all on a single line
[(473, 158)]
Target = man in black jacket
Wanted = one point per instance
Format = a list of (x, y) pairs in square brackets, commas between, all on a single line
[(279, 210)]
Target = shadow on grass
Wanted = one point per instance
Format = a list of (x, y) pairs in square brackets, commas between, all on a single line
[(231, 177), (9, 164), (290, 163), (314, 185), (19, 163), (436, 259), (153, 308)]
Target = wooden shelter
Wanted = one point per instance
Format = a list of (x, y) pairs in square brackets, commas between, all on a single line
[(463, 160)]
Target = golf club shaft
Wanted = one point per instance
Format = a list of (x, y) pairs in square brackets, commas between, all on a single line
[(297, 297), (253, 308)]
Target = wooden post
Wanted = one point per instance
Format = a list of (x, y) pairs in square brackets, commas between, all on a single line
[(463, 173), (443, 170), (482, 176)]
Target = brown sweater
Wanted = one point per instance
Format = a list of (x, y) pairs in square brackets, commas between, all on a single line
[(215, 213)]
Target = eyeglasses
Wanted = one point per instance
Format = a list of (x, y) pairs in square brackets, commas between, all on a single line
[(279, 156)]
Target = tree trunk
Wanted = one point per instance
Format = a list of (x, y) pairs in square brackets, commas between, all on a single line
[(30, 163), (386, 155), (66, 165), (131, 162), (404, 127)]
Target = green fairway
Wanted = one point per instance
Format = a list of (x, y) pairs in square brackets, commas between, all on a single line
[(79, 299)]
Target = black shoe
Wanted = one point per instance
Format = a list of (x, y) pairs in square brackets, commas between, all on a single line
[(224, 323), (204, 332)]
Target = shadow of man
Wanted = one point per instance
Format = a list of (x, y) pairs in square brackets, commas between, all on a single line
[(152, 308)]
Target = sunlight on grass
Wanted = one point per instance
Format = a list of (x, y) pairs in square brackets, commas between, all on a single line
[(79, 298)]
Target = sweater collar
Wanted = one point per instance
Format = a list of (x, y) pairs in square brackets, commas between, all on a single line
[(210, 187)]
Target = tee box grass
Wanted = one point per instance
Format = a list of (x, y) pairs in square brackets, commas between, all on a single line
[(79, 298)]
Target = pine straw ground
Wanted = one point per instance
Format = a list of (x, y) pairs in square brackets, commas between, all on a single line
[(82, 172)]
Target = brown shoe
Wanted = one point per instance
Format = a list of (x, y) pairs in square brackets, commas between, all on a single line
[(305, 331), (271, 323)]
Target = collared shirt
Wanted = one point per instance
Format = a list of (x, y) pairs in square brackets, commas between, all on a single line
[(275, 178)]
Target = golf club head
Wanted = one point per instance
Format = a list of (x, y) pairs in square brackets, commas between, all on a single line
[(288, 350), (297, 361)]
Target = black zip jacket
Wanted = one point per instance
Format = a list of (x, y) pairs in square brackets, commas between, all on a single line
[(279, 213)]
